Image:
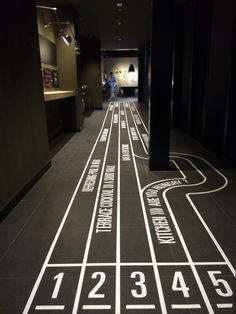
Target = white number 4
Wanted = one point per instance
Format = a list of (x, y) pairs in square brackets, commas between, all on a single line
[(179, 284), (216, 282)]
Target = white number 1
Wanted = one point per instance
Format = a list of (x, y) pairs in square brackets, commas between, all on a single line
[(58, 279)]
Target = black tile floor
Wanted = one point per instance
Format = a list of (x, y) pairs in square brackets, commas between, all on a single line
[(99, 233)]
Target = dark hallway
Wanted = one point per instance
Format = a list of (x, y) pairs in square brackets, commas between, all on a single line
[(118, 198)]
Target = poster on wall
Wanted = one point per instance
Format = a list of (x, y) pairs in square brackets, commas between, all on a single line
[(47, 78)]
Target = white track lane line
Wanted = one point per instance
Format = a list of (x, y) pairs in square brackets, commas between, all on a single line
[(136, 127), (136, 264), (232, 269), (140, 157), (181, 238), (118, 291), (152, 252), (86, 253), (186, 250), (221, 251), (37, 283), (141, 118), (219, 248), (163, 180)]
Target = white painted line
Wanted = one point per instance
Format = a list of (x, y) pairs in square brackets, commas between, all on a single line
[(141, 119), (152, 252), (140, 157), (209, 263), (185, 248), (232, 269), (185, 306), (49, 307), (40, 276), (118, 289), (96, 307), (136, 127), (163, 180), (65, 265), (86, 253), (140, 306), (137, 264), (181, 238), (225, 305)]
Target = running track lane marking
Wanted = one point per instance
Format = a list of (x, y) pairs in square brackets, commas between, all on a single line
[(152, 252), (221, 251), (141, 119), (181, 238), (49, 307), (137, 264), (118, 291), (141, 139), (219, 248), (40, 276), (184, 245), (90, 234)]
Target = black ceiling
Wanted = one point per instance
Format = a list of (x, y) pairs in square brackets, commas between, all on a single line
[(100, 18)]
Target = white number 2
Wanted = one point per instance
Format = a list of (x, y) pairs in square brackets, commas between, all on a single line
[(216, 282), (140, 283), (179, 279), (93, 293)]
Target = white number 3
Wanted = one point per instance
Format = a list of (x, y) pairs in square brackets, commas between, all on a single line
[(140, 283)]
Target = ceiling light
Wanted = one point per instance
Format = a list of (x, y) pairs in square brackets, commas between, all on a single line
[(119, 4), (131, 68), (47, 8), (66, 38), (119, 39), (119, 23), (47, 24)]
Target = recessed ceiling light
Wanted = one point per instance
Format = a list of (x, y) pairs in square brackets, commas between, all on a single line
[(119, 4), (119, 39), (119, 23)]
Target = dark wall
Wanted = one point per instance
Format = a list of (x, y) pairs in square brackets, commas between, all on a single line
[(183, 65), (231, 122), (23, 134), (219, 74), (200, 67), (91, 70), (204, 82)]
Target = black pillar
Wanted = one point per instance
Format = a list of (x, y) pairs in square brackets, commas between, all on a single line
[(91, 71), (162, 47)]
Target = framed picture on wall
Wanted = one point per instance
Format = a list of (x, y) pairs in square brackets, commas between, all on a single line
[(48, 79)]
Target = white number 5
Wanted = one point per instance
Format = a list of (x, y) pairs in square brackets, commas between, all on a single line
[(216, 282)]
